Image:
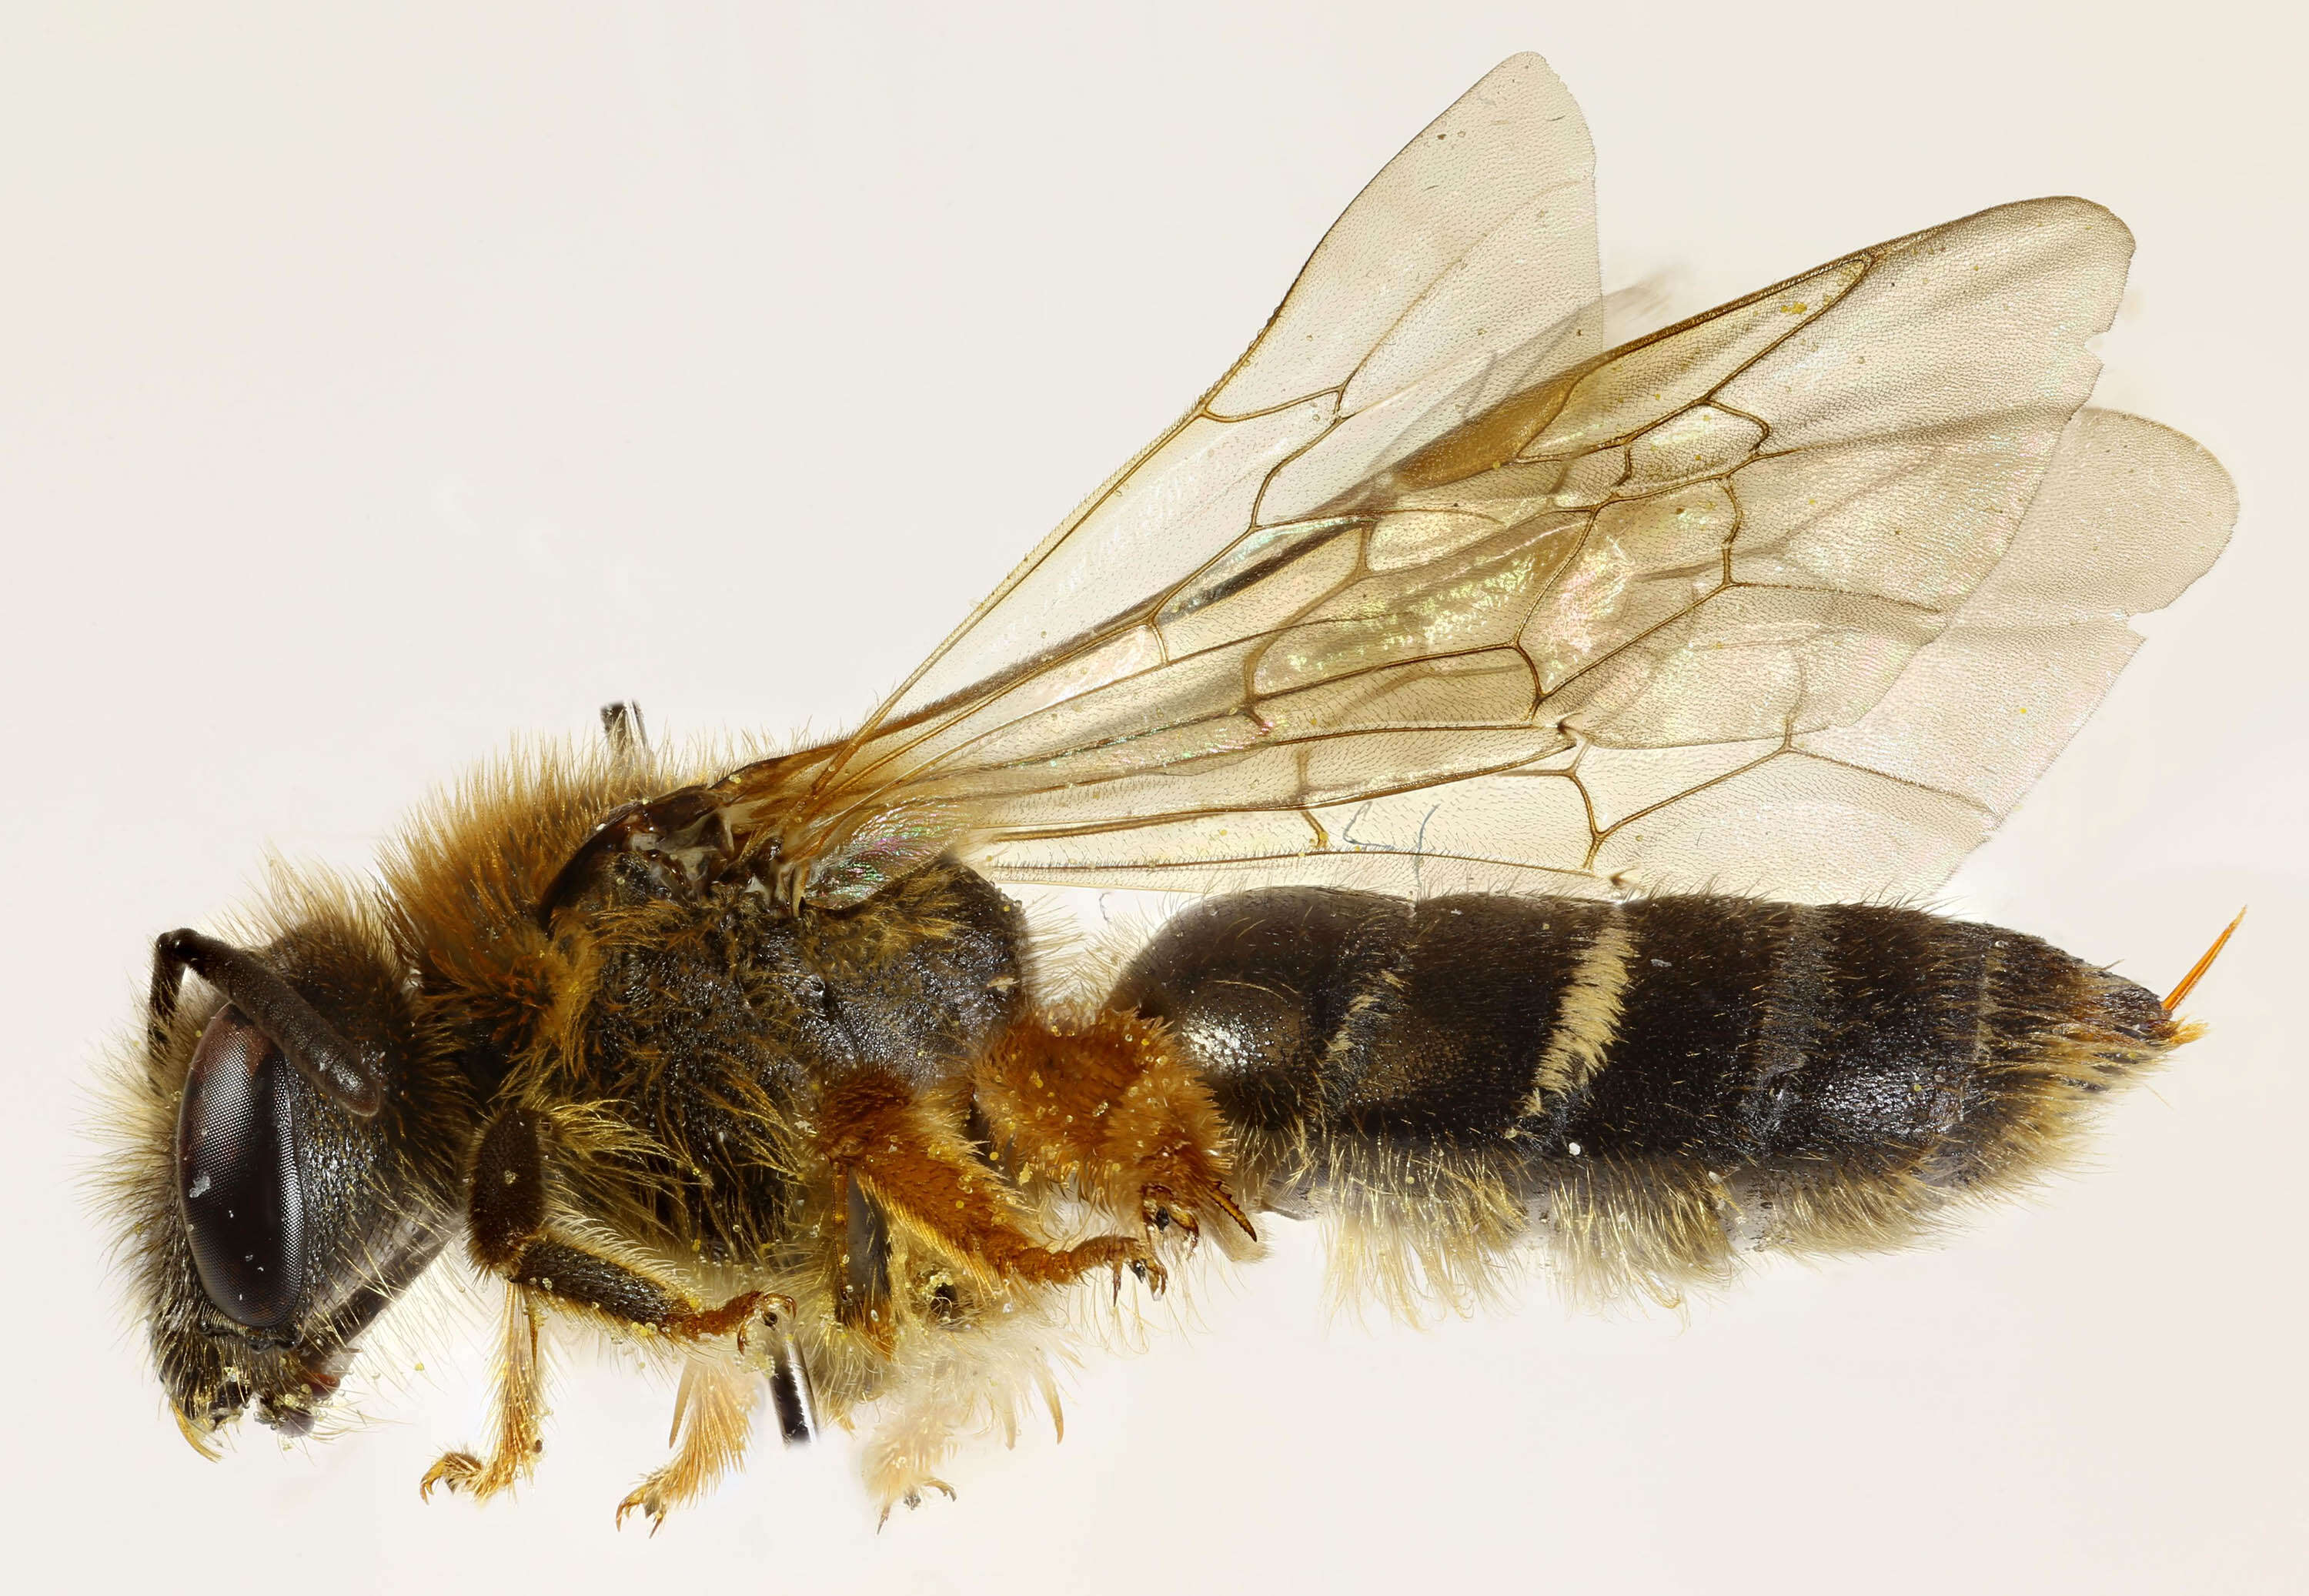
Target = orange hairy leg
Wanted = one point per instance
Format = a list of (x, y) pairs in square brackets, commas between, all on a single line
[(1115, 1109), (909, 1165)]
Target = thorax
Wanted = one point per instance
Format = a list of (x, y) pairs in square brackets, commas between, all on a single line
[(675, 1033)]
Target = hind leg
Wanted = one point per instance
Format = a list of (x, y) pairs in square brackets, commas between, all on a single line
[(896, 1158), (1113, 1108)]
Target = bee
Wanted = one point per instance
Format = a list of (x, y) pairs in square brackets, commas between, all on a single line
[(1551, 723)]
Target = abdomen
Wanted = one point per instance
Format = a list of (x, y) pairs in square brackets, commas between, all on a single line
[(1651, 1084)]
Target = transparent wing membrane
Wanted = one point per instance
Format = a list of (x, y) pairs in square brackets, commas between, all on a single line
[(1796, 597), (1479, 237), (1885, 804)]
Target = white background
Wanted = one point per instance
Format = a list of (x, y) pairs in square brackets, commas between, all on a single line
[(371, 392)]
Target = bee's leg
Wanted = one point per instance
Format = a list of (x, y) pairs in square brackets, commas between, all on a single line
[(507, 1225), (713, 1419), (520, 1413), (919, 1172), (1114, 1108), (922, 1419)]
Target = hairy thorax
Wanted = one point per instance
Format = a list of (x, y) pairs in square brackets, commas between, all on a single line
[(676, 1032), (713, 1024)]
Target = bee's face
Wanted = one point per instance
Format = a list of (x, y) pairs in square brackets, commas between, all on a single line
[(289, 1219)]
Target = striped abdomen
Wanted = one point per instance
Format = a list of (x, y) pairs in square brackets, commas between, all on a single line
[(1656, 1082)]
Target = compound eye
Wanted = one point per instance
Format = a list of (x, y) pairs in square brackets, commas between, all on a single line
[(237, 1176)]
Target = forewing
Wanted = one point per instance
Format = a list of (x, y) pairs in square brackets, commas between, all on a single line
[(1475, 244), (1707, 609)]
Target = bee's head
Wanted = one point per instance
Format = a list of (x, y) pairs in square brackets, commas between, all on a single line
[(287, 1163)]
